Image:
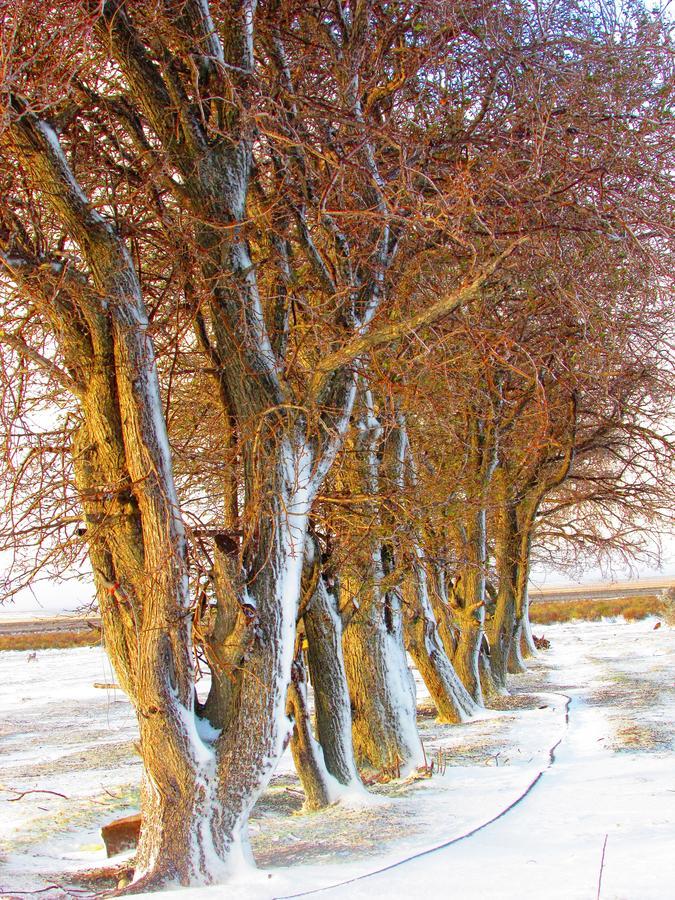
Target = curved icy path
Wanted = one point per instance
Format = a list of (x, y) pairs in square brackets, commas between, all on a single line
[(613, 779), (70, 747)]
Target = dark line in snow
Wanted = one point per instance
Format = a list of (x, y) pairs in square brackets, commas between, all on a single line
[(461, 837)]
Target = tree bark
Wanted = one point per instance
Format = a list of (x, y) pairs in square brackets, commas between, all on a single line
[(382, 693), (470, 608), (452, 700), (323, 627), (501, 626), (381, 687), (517, 656), (318, 784)]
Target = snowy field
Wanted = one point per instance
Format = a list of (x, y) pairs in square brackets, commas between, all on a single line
[(567, 791)]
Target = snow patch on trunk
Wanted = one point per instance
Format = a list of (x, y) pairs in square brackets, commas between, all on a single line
[(402, 690), (296, 501)]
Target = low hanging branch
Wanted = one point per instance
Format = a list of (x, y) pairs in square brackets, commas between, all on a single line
[(396, 330)]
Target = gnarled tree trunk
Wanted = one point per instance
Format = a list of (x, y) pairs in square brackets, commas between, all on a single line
[(323, 627), (453, 702), (501, 625), (469, 608), (320, 788), (382, 693), (381, 686)]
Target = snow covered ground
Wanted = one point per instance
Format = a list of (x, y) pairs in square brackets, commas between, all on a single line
[(603, 696)]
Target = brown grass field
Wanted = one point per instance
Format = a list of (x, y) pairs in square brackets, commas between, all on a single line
[(48, 640), (548, 612)]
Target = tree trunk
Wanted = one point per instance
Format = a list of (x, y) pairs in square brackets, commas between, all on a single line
[(501, 626), (523, 635), (448, 631), (332, 704), (258, 731), (470, 608), (382, 692), (320, 788), (516, 662), (452, 700), (527, 645), (466, 659), (422, 640), (381, 686)]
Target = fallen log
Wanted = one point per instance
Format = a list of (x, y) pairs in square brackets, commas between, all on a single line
[(107, 686), (122, 834)]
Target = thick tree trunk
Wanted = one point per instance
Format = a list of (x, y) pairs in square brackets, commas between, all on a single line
[(249, 748), (523, 635), (470, 608), (382, 692), (516, 663), (422, 641), (448, 630), (381, 686), (138, 550), (320, 788), (453, 702), (501, 634), (466, 659), (527, 645), (323, 627), (501, 626)]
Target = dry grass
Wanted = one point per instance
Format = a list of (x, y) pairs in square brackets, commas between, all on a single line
[(633, 736), (546, 613), (48, 640)]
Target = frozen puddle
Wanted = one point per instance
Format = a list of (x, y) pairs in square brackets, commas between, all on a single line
[(613, 776)]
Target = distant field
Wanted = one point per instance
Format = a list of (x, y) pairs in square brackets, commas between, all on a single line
[(546, 612), (47, 640)]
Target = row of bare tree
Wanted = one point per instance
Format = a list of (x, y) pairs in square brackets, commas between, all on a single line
[(319, 319)]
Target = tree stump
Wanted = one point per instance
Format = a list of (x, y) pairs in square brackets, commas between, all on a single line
[(122, 834)]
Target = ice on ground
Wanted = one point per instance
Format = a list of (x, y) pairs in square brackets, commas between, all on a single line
[(613, 776)]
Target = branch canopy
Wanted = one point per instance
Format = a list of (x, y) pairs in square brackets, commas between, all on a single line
[(393, 331)]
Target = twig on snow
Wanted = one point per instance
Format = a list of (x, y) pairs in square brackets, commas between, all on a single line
[(22, 794), (602, 866), (50, 887)]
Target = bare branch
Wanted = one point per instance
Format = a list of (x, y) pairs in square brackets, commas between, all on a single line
[(394, 331)]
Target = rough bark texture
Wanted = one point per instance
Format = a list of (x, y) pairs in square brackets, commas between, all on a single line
[(466, 658), (248, 750), (123, 472), (381, 687), (517, 657), (453, 702), (332, 704), (382, 694), (501, 626), (307, 754), (516, 664), (469, 609), (422, 641), (527, 645), (448, 630)]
